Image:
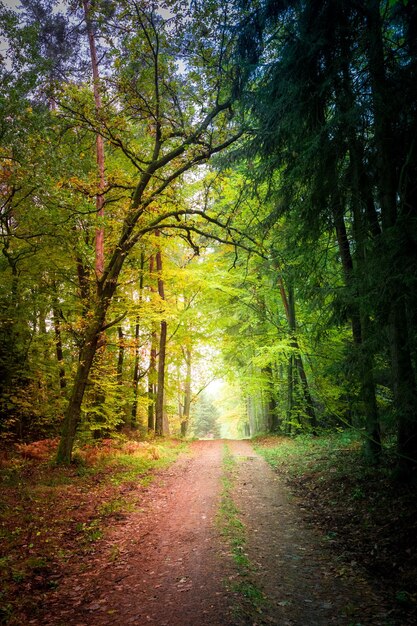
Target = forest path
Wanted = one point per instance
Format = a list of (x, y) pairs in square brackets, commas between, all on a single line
[(167, 564)]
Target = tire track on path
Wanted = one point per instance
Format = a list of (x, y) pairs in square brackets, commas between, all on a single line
[(292, 567)]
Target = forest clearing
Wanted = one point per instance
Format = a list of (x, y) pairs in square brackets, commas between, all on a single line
[(208, 235)]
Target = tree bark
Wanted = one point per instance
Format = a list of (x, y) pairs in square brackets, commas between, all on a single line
[(152, 377), (404, 380), (273, 419), (290, 393), (152, 373), (73, 412), (365, 222), (58, 345), (99, 239), (360, 327), (160, 395), (135, 379), (160, 427), (298, 361), (135, 382), (187, 394)]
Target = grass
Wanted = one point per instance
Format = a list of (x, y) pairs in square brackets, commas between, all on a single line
[(251, 598), (231, 526), (299, 455), (50, 513)]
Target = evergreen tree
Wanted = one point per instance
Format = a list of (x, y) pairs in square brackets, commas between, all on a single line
[(322, 80), (205, 417)]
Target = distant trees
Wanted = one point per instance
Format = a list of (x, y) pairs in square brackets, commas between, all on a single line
[(205, 417)]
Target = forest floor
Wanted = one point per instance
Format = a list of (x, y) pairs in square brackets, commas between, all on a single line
[(216, 538)]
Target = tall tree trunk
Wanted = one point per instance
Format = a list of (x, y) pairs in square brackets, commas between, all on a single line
[(373, 447), (365, 220), (99, 233), (272, 407), (160, 427), (152, 378), (119, 372), (73, 412), (160, 395), (298, 361), (58, 343), (290, 393), (99, 240), (152, 373), (135, 379), (360, 329), (404, 379), (43, 332), (187, 394), (83, 282), (121, 355), (134, 412)]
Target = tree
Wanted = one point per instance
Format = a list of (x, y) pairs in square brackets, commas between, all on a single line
[(176, 142), (160, 424), (326, 109), (205, 417), (99, 237)]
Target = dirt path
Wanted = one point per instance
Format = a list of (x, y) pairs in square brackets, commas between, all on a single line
[(166, 564), (300, 577)]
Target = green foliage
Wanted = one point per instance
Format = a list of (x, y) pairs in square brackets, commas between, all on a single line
[(278, 310), (205, 417), (90, 532), (297, 455)]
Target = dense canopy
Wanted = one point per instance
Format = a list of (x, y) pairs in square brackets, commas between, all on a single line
[(209, 191)]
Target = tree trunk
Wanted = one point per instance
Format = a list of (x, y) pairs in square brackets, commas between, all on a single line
[(365, 220), (272, 419), (99, 240), (404, 391), (160, 395), (152, 378), (290, 393), (404, 380), (135, 381), (58, 345), (298, 361), (152, 373), (187, 394), (119, 371), (360, 325), (73, 412), (134, 413), (160, 427), (121, 355)]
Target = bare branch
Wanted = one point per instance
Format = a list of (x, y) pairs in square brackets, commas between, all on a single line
[(114, 322)]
